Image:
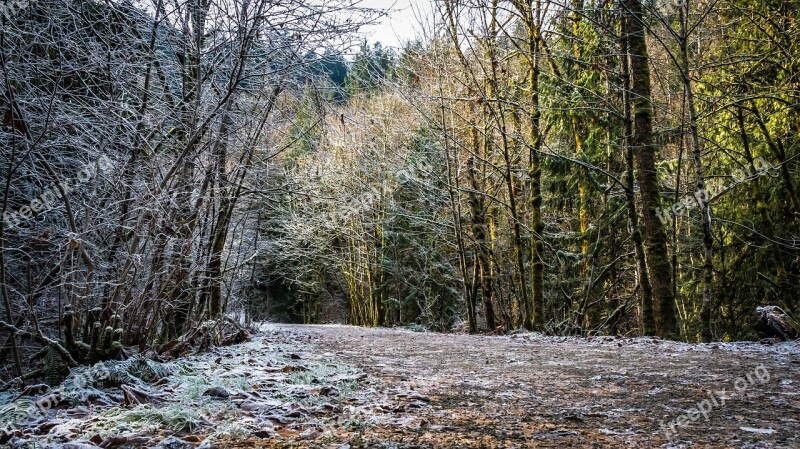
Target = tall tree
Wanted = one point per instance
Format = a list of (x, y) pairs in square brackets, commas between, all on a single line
[(645, 152)]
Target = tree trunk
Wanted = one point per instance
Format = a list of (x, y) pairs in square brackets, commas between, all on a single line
[(648, 319), (700, 182), (470, 289), (482, 257), (530, 13), (655, 239)]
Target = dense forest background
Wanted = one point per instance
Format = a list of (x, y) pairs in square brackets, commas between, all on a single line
[(579, 167)]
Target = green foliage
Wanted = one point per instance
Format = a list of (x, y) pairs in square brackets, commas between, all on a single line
[(146, 369), (17, 413), (329, 72), (369, 217), (421, 280), (371, 67), (175, 417), (54, 367)]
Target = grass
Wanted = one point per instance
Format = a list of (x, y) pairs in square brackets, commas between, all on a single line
[(186, 410), (176, 417), (231, 430)]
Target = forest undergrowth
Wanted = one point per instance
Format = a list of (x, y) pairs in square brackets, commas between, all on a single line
[(347, 387)]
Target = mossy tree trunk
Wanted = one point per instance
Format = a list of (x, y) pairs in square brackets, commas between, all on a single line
[(645, 151)]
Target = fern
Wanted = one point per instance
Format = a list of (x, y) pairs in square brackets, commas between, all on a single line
[(16, 413), (85, 384), (54, 367), (136, 371), (80, 396), (150, 370), (177, 417)]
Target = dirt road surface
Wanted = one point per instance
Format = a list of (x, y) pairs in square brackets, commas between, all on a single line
[(427, 390)]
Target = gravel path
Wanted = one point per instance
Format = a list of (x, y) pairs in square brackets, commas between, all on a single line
[(435, 390)]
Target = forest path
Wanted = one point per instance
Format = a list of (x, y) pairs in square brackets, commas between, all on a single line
[(445, 390)]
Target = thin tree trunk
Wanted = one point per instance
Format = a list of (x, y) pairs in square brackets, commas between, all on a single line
[(655, 239), (510, 164), (700, 182), (535, 172), (530, 13), (12, 339), (482, 255), (648, 319), (577, 132), (470, 289)]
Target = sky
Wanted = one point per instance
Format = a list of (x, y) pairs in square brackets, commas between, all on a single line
[(400, 25)]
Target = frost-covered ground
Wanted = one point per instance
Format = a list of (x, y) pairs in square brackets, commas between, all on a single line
[(534, 391), (345, 387)]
